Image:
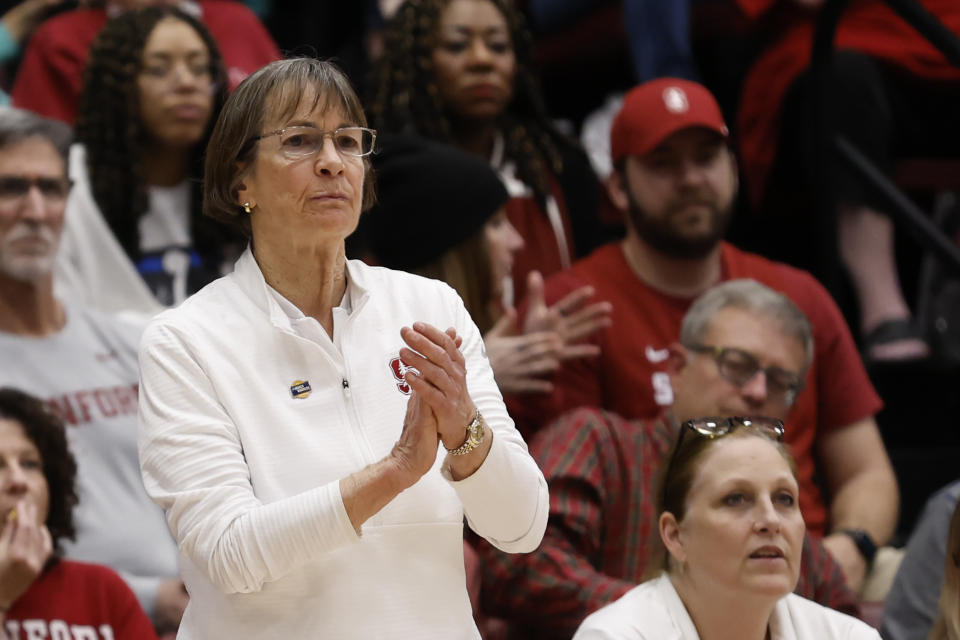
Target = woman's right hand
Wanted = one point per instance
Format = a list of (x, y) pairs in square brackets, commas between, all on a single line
[(416, 450), (25, 546)]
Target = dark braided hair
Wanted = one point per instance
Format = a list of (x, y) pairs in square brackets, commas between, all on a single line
[(405, 95), (110, 127)]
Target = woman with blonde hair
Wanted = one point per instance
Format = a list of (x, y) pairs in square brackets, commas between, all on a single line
[(731, 524)]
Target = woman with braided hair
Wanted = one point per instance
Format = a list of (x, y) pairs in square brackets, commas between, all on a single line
[(134, 236), (461, 71)]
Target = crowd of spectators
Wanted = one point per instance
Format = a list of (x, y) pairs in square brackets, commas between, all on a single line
[(616, 305)]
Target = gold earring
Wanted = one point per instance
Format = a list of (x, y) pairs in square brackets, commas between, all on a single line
[(246, 208)]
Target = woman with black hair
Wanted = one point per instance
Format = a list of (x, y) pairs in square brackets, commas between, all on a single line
[(42, 595), (461, 71), (134, 235)]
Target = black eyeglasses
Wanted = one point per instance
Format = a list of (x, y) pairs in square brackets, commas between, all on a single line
[(14, 188), (739, 367)]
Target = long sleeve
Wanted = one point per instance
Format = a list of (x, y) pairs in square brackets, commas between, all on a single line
[(506, 499), (194, 467)]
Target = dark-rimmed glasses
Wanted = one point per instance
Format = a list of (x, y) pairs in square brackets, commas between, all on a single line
[(301, 142), (14, 188), (739, 367)]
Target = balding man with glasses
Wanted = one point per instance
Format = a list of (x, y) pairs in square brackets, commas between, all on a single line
[(743, 353)]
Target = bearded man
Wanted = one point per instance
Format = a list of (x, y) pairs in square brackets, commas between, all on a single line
[(675, 179)]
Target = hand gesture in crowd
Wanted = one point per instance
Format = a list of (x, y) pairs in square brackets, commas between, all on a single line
[(25, 546), (571, 317), (519, 361), (521, 358)]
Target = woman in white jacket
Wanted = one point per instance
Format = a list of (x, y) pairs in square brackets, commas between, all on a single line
[(293, 412), (731, 526)]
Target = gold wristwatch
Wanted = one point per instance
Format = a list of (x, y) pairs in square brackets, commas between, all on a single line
[(474, 437)]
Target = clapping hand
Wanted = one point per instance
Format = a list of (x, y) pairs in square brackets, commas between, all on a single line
[(440, 378), (25, 546), (571, 317), (519, 362)]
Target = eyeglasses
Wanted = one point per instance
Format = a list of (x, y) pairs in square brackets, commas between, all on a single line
[(302, 142), (14, 188), (739, 367)]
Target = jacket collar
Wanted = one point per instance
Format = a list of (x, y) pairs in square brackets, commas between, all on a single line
[(249, 278)]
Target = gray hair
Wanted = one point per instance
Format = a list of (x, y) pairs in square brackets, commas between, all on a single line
[(17, 125), (748, 295)]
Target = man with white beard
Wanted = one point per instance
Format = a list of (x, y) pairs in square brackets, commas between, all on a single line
[(84, 364)]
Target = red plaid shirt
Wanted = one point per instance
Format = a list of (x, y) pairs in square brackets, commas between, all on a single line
[(602, 472)]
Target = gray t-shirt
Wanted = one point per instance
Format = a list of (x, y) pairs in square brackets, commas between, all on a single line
[(89, 373), (913, 601)]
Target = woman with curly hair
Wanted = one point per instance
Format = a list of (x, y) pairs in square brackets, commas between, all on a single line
[(460, 71), (134, 235), (37, 495)]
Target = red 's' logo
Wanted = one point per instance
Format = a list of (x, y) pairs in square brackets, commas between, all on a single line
[(399, 368)]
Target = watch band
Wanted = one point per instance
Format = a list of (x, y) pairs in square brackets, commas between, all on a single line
[(474, 437), (865, 544)]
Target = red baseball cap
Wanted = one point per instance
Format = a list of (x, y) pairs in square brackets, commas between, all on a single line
[(656, 109)]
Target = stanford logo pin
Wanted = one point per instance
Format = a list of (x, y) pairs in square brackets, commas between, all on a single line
[(300, 389)]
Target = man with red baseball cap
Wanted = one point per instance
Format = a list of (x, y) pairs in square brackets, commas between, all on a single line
[(675, 179)]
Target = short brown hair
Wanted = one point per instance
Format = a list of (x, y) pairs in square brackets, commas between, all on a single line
[(280, 87)]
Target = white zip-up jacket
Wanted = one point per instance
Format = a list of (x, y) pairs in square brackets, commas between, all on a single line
[(250, 417)]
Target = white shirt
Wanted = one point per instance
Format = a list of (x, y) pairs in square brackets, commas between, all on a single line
[(166, 222), (92, 268), (654, 611), (249, 475)]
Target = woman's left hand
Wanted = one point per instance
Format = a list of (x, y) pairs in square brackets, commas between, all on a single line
[(574, 318), (442, 378)]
